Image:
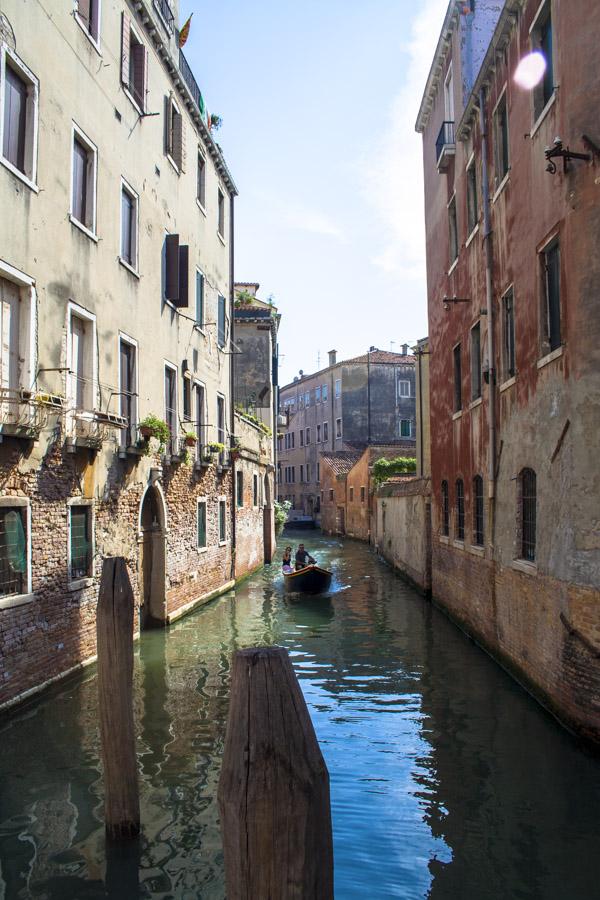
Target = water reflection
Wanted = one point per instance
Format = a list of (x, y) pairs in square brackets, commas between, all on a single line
[(447, 781)]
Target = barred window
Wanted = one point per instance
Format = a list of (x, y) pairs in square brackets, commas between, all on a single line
[(460, 510), (478, 510), (528, 514), (445, 509), (13, 551), (201, 525), (81, 541), (222, 522)]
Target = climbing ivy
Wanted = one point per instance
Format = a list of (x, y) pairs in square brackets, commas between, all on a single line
[(386, 468)]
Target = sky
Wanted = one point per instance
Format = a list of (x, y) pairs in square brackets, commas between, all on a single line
[(318, 101)]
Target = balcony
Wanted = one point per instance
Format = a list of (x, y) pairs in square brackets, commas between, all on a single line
[(164, 10), (20, 415), (192, 84), (445, 146)]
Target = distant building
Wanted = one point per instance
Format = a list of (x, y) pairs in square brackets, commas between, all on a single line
[(351, 404)]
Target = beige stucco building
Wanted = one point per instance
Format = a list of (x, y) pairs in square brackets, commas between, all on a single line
[(116, 300)]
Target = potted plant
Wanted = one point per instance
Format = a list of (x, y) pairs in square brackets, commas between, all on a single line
[(190, 438), (157, 428), (215, 448)]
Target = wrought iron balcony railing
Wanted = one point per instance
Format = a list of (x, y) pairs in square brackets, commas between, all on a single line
[(445, 146), (166, 14), (192, 84)]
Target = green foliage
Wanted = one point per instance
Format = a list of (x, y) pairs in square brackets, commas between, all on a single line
[(282, 507), (216, 447), (255, 420), (191, 436), (386, 468), (243, 298), (158, 429)]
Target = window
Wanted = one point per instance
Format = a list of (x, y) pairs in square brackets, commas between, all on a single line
[(221, 420), (80, 362), (528, 514), (541, 39), (128, 390), (175, 135), (83, 183), (307, 399), (14, 549), (221, 322), (476, 361), (338, 428), (318, 434), (18, 116), (187, 397), (293, 437), (478, 510), (221, 213), (445, 509), (15, 343), (501, 148), (457, 379), (255, 490), (171, 406), (325, 432), (239, 488), (88, 16), (338, 388), (129, 226), (452, 231), (331, 494), (307, 472), (134, 63), (351, 493), (472, 209), (404, 388), (201, 525), (308, 435), (324, 392), (80, 541), (508, 334), (317, 395), (201, 179), (362, 494), (301, 474), (199, 298), (460, 510), (293, 474), (176, 258), (222, 521), (198, 399), (405, 428), (302, 437), (550, 258), (318, 472)]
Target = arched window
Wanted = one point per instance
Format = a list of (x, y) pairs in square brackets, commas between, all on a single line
[(528, 514), (445, 509), (478, 510), (460, 510)]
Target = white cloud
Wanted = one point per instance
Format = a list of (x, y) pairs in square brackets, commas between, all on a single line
[(395, 165), (313, 221)]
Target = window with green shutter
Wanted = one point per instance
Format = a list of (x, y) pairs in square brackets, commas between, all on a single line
[(81, 544), (222, 524), (13, 551), (201, 525)]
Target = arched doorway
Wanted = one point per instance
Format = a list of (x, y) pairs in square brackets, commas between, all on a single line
[(152, 562), (268, 522)]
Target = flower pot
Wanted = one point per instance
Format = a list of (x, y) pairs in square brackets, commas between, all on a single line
[(190, 441), (146, 432)]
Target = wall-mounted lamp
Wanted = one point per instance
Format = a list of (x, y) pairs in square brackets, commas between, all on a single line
[(448, 300), (557, 150)]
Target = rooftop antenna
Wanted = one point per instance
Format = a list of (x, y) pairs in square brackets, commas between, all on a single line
[(392, 346), (318, 359)]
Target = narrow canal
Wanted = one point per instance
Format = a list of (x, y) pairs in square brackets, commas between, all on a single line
[(447, 780)]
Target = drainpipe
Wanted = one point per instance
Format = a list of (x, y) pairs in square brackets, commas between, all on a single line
[(487, 240), (368, 396), (419, 355), (232, 375)]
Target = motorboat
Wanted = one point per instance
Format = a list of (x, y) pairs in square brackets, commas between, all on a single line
[(309, 580)]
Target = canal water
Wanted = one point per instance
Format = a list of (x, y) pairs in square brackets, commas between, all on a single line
[(447, 780)]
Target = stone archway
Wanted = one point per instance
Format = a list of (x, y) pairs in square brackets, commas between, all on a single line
[(268, 522), (152, 559)]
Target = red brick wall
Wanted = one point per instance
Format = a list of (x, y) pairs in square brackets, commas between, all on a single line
[(329, 508)]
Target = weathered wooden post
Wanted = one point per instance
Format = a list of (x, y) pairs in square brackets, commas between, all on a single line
[(274, 786), (114, 629)]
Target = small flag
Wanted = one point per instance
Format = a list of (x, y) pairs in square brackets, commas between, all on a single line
[(185, 32)]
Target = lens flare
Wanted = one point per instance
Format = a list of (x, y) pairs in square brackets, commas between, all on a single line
[(530, 70)]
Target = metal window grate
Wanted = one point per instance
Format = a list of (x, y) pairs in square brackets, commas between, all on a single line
[(460, 510), (445, 509), (13, 552), (478, 510), (528, 514), (81, 548)]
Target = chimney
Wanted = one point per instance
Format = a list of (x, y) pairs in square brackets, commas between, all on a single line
[(404, 349), (332, 357), (372, 348)]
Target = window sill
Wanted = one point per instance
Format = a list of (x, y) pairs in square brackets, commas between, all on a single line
[(200, 328), (201, 207), (453, 266), (93, 41), (202, 550), (20, 175), (550, 357), (444, 539), (476, 549), (221, 238), (16, 600), (174, 164), (458, 544), (82, 227), (501, 186), (80, 583), (129, 267), (508, 383), (457, 415), (542, 115), (521, 565), (472, 235), (133, 101), (223, 543), (476, 402)]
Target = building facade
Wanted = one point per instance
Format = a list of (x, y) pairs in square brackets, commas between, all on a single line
[(369, 399), (513, 282), (116, 302)]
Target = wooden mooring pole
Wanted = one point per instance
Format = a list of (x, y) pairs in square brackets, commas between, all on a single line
[(114, 629), (274, 786)]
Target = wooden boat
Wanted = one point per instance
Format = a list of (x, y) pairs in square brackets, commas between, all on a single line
[(309, 580)]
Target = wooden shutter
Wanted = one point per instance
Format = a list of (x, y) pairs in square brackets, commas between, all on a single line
[(177, 138), (172, 267), (84, 12), (125, 39), (138, 55), (182, 294), (168, 132)]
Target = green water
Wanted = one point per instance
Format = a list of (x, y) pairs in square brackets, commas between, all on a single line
[(447, 780)]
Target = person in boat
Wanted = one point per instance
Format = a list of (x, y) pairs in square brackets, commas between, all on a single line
[(286, 561), (303, 558)]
